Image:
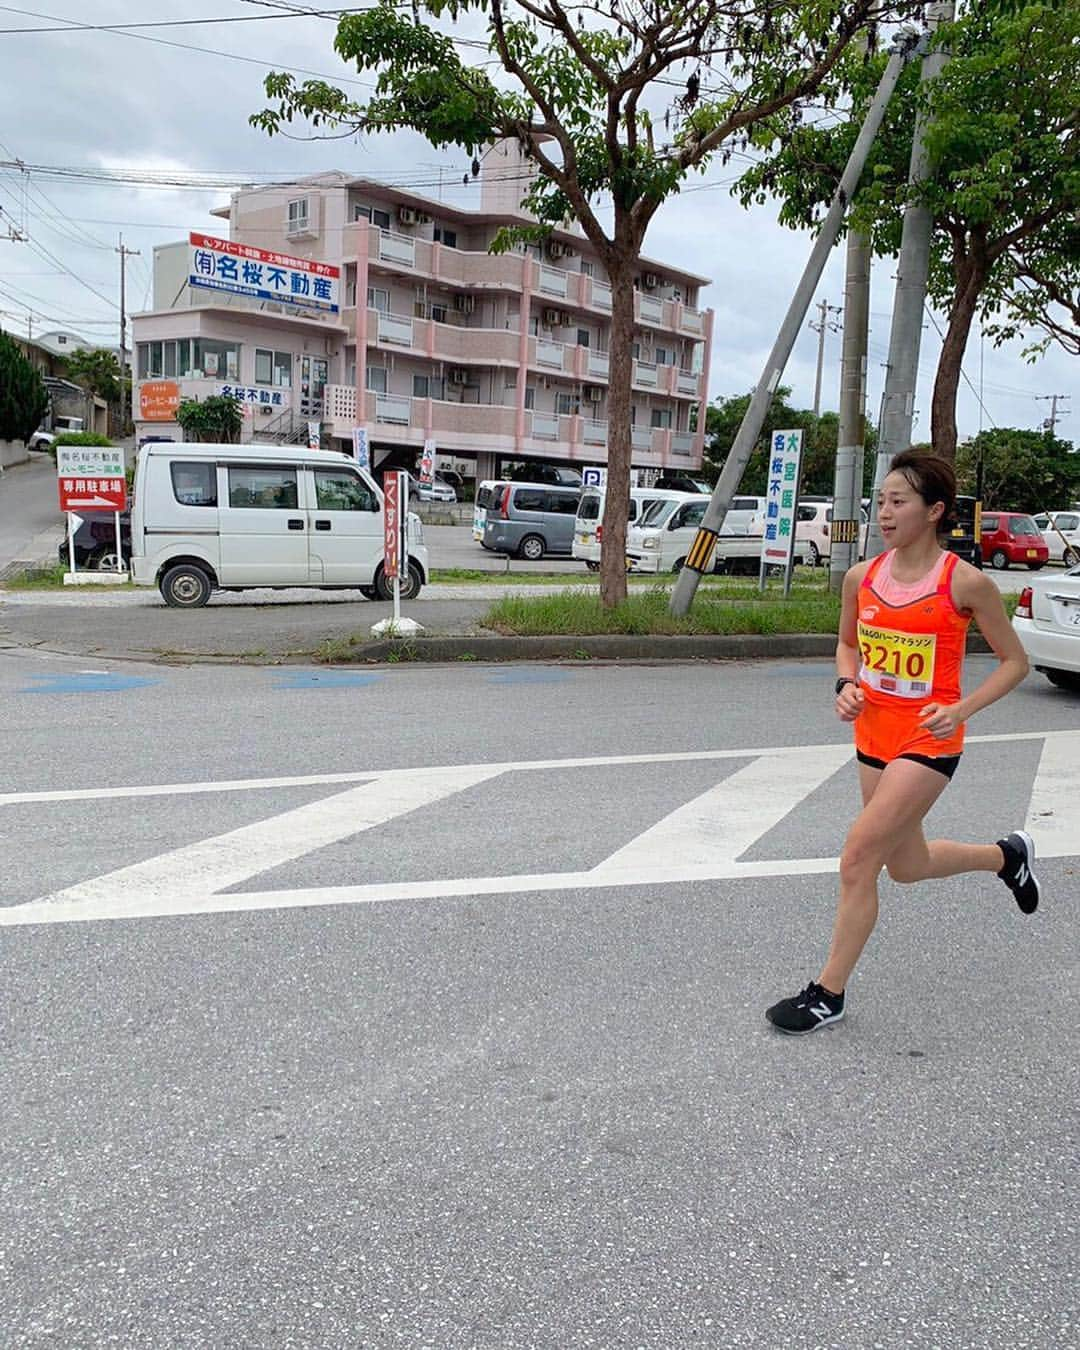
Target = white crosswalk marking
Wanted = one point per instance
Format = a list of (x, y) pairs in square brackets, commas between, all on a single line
[(1053, 819), (702, 840), (721, 824)]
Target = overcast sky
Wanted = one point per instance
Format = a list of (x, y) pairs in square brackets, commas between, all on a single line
[(106, 100)]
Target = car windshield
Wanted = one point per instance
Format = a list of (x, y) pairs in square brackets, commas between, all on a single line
[(657, 512), (1023, 525)]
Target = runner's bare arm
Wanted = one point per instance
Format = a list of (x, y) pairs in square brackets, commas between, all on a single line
[(974, 591), (847, 646)]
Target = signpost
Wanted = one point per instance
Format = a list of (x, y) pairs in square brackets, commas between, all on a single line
[(91, 478), (361, 449), (395, 550), (782, 495), (427, 463)]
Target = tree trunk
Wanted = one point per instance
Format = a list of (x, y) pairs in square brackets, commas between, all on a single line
[(617, 499), (970, 281)]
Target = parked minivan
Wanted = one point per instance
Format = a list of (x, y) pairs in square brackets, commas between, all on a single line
[(230, 517), (588, 527), (531, 520), (1012, 537)]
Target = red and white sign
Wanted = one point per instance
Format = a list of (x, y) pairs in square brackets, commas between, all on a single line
[(391, 522), (93, 494)]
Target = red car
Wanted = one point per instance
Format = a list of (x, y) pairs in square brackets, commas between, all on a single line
[(1012, 537)]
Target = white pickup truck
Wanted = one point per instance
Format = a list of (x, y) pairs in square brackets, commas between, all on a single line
[(662, 539)]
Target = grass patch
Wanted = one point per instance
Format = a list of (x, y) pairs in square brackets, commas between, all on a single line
[(52, 579), (579, 612), (805, 581)]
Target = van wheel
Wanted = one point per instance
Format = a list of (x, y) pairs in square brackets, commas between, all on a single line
[(999, 560), (1063, 679), (678, 564), (185, 587), (592, 564), (815, 555), (410, 585), (531, 548), (369, 592)]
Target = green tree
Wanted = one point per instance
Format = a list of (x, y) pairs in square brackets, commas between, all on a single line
[(1004, 131), (24, 400), (1022, 470), (614, 108), (820, 435), (95, 370), (216, 418)]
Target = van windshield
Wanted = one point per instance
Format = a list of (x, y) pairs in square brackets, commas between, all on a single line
[(589, 507)]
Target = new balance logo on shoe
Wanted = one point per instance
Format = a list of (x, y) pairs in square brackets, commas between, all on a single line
[(822, 1011), (1022, 875)]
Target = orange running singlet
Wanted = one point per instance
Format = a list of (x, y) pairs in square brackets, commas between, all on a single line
[(912, 654)]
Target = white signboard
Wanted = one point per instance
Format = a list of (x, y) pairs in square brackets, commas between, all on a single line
[(89, 461), (222, 265), (266, 398), (778, 541)]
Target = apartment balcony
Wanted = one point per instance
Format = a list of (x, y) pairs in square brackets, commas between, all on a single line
[(458, 268), (397, 419)]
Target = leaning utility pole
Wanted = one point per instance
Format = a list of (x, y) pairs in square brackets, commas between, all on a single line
[(701, 550), (125, 254), (819, 328), (846, 525), (913, 267)]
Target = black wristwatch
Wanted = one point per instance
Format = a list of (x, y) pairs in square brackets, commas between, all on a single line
[(844, 679)]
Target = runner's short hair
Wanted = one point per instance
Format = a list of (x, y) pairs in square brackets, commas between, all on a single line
[(933, 478)]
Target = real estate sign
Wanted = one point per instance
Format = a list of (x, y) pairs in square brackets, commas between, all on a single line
[(222, 265)]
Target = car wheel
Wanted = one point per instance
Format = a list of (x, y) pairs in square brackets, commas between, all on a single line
[(815, 555), (1064, 679), (1034, 567), (186, 586), (531, 548), (592, 565), (104, 560), (999, 560), (369, 592), (1070, 557), (678, 564), (410, 584)]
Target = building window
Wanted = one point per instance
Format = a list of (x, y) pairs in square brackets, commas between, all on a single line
[(376, 379), (584, 337), (213, 360), (445, 236), (428, 386), (635, 349), (661, 417), (438, 313), (663, 357), (530, 396), (379, 299), (567, 404), (298, 215), (273, 368), (587, 269), (534, 326), (380, 218)]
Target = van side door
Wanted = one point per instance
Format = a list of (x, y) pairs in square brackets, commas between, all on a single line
[(345, 538), (264, 530)]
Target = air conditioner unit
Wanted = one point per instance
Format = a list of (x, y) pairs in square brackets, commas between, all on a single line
[(407, 216), (555, 249), (457, 375), (551, 317), (265, 409), (465, 304), (594, 393), (650, 281)]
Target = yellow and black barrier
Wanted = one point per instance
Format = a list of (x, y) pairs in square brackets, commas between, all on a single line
[(701, 551), (844, 531)]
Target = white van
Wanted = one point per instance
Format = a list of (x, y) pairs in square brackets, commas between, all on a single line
[(231, 517), (485, 495), (588, 524), (664, 535)]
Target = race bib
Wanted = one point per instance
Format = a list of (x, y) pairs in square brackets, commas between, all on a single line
[(901, 664)]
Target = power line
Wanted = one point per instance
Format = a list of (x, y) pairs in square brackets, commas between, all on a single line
[(162, 23)]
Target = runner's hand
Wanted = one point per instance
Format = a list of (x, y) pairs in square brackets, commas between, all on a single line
[(849, 703), (941, 719)]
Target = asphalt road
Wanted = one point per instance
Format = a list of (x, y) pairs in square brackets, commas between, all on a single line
[(424, 1007)]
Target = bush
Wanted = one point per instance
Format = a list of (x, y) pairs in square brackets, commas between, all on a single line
[(81, 438)]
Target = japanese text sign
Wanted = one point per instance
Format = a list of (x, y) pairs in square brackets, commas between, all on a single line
[(785, 454), (391, 522), (222, 265), (91, 478), (158, 400)]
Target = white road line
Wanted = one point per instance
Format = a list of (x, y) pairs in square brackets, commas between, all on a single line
[(211, 865), (508, 766), (720, 825), (1053, 818), (127, 906)]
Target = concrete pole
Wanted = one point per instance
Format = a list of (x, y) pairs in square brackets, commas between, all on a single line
[(851, 432), (902, 372), (682, 595), (826, 309)]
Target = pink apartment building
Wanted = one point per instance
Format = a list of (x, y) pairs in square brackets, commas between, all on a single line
[(492, 356)]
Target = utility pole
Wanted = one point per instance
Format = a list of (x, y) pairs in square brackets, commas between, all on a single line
[(125, 254), (898, 404), (1053, 399), (750, 428), (819, 328), (846, 527)]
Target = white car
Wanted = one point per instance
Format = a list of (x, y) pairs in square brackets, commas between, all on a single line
[(1047, 622), (436, 491), (813, 519), (1061, 530)]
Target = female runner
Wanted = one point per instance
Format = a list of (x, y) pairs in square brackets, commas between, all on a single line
[(903, 627)]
